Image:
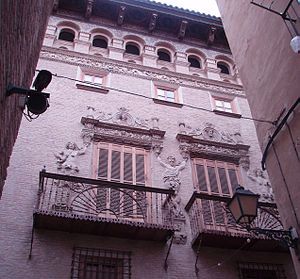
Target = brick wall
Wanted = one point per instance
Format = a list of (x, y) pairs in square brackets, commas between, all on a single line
[(23, 26)]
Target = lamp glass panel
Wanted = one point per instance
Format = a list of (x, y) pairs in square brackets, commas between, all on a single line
[(248, 204), (235, 209)]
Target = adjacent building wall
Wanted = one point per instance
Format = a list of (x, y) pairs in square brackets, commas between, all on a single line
[(269, 69), (23, 25)]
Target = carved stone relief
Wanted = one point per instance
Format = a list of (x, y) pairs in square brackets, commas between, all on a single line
[(66, 160), (172, 181), (138, 70), (263, 184), (122, 127), (211, 141)]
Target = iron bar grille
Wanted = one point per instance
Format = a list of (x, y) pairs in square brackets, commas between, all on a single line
[(98, 200), (261, 271), (90, 263), (210, 214)]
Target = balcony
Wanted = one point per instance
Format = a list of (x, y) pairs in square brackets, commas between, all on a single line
[(212, 225), (82, 205)]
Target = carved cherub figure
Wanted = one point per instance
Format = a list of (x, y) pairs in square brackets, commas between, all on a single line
[(66, 160), (172, 170)]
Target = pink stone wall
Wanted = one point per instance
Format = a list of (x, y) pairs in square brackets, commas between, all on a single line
[(269, 70), (39, 140), (23, 26)]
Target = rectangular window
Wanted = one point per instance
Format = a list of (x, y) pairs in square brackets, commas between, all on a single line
[(120, 163), (90, 263), (261, 271), (224, 105), (215, 177), (97, 80), (166, 94)]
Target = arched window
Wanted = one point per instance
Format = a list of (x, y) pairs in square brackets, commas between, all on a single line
[(100, 41), (67, 35), (194, 62), (163, 55), (132, 49), (224, 68)]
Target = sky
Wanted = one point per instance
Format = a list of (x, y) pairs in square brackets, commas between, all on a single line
[(202, 6)]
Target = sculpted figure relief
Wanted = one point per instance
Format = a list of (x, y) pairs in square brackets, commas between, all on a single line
[(172, 181), (263, 183), (66, 159)]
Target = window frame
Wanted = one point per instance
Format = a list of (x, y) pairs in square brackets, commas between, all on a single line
[(166, 87), (82, 257), (122, 149), (216, 165), (91, 85), (233, 104)]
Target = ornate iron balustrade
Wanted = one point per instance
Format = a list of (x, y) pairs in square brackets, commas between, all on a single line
[(212, 223), (77, 198)]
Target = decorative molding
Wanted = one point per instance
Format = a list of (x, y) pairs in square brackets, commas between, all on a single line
[(211, 142), (123, 128), (141, 71)]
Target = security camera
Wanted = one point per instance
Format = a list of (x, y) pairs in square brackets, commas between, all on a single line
[(36, 101), (295, 44)]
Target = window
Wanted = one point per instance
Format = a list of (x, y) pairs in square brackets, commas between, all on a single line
[(194, 62), (122, 163), (166, 95), (90, 263), (163, 55), (223, 105), (66, 35), (215, 177), (132, 49), (261, 271), (97, 80), (223, 67), (99, 41)]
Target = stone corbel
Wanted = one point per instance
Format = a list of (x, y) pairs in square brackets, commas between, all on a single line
[(55, 6)]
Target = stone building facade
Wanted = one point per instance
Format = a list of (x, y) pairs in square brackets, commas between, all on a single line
[(21, 24), (269, 69), (127, 174)]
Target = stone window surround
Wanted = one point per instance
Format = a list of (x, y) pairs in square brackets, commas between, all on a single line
[(234, 106), (101, 88)]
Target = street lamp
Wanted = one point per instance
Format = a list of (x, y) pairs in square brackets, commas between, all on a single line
[(243, 207)]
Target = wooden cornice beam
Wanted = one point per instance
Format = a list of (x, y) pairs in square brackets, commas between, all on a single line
[(211, 35), (182, 29), (89, 8), (152, 23), (121, 15), (55, 6)]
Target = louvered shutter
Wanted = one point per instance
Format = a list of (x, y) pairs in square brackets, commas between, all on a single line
[(201, 178), (206, 211), (212, 179), (115, 165), (233, 179), (128, 172), (140, 169), (103, 163), (223, 181)]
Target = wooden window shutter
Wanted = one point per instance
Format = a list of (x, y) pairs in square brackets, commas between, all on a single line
[(201, 178), (115, 165), (233, 179), (223, 181), (140, 169), (128, 171), (212, 179), (103, 163)]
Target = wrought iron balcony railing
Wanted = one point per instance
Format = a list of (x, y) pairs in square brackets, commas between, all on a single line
[(80, 204), (213, 225)]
